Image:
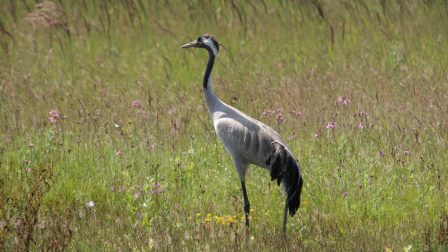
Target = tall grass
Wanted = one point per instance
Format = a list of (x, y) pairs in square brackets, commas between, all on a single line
[(128, 160)]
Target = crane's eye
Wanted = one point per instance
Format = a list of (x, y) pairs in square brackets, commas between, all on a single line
[(199, 39)]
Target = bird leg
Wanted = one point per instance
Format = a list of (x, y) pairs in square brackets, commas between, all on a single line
[(285, 217), (246, 203)]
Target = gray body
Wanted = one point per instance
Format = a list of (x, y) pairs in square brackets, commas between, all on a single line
[(247, 140)]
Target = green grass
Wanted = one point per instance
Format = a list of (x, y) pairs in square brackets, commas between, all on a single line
[(158, 176)]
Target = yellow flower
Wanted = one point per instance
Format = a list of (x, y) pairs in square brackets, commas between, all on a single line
[(224, 220), (208, 218)]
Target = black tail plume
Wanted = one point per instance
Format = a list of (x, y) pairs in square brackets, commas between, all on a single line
[(285, 168)]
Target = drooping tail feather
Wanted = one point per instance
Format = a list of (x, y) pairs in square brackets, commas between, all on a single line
[(285, 168)]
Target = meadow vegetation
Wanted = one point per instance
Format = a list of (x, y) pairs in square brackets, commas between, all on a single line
[(105, 142)]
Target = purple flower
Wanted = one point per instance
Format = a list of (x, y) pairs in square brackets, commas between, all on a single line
[(343, 100), (360, 126), (296, 114), (53, 116), (380, 154), (266, 112), (330, 125), (136, 104), (54, 113), (276, 113), (279, 117), (156, 188), (31, 145), (137, 194)]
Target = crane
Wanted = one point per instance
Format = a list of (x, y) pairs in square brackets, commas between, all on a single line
[(249, 141)]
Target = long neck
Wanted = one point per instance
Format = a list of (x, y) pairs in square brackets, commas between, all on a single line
[(208, 71), (212, 101)]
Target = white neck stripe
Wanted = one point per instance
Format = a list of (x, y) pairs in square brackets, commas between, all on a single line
[(212, 46)]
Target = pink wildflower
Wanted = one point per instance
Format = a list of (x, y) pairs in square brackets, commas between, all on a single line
[(276, 113), (406, 153), (54, 113), (137, 194), (266, 112), (360, 126), (380, 154), (53, 116), (279, 117), (31, 145), (156, 189), (296, 114), (136, 104), (344, 100), (330, 125)]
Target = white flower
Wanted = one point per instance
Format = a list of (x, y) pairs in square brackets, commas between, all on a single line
[(90, 204)]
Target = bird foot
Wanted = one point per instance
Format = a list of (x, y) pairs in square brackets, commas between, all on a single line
[(247, 232), (284, 237)]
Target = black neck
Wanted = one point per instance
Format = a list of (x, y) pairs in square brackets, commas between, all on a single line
[(208, 70)]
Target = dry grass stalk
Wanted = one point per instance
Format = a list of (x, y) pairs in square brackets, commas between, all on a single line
[(48, 15)]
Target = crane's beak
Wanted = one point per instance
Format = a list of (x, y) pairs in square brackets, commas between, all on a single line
[(193, 43)]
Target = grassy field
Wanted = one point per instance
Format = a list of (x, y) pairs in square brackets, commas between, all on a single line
[(105, 142)]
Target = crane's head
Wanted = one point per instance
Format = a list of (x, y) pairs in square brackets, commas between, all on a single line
[(205, 41)]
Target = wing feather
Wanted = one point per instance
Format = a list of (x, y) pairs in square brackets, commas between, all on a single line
[(247, 140)]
